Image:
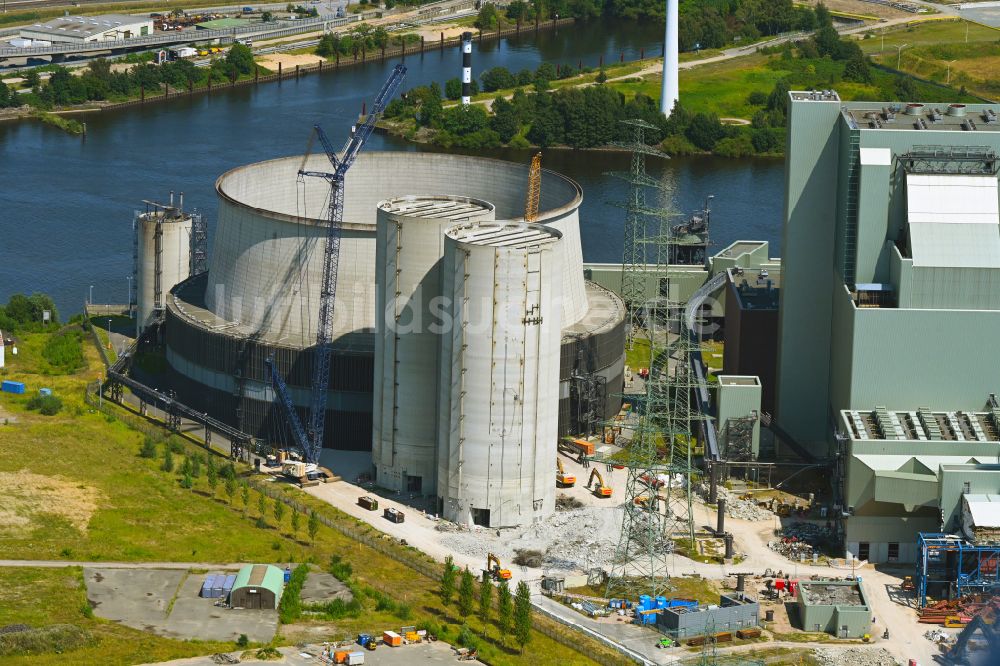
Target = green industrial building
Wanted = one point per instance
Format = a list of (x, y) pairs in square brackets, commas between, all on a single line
[(890, 308), (836, 607)]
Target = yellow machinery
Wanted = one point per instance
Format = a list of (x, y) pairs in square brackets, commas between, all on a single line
[(563, 480), (907, 585), (494, 568), (953, 622), (601, 489), (534, 189)]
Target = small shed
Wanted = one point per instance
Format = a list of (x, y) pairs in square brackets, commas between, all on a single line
[(257, 586)]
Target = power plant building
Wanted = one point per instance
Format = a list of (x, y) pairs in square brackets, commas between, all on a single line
[(260, 298), (890, 306)]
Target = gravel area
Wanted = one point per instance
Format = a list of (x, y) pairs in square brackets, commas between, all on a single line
[(571, 540), (856, 656)]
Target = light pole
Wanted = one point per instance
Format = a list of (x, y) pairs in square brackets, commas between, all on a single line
[(899, 54), (129, 278), (109, 333), (90, 299), (948, 79)]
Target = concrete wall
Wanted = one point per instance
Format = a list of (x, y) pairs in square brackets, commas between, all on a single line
[(733, 612), (811, 180), (843, 621)]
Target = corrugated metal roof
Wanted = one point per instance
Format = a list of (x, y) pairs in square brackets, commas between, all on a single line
[(985, 510), (261, 575), (954, 220)]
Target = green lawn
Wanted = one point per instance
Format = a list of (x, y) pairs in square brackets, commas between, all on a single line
[(73, 487), (926, 33)]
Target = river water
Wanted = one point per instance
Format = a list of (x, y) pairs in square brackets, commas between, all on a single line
[(66, 203)]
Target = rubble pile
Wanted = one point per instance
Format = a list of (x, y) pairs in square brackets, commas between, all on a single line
[(965, 608), (799, 541), (855, 656), (937, 636), (736, 507)]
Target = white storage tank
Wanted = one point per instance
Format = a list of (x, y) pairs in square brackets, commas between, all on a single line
[(409, 246), (163, 246), (499, 383)]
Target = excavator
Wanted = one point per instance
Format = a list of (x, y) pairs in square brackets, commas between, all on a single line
[(601, 489), (494, 569), (563, 480)]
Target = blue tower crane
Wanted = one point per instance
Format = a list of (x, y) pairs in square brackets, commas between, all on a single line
[(309, 437)]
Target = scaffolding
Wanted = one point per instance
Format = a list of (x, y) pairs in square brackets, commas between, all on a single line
[(637, 214), (588, 395), (949, 566), (739, 438)]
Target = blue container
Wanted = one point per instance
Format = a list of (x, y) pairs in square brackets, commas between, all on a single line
[(288, 574), (661, 602), (645, 602), (44, 391), (217, 584), (206, 587), (12, 387), (227, 587)]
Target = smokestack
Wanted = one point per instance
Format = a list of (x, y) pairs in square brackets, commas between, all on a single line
[(466, 68), (669, 93)]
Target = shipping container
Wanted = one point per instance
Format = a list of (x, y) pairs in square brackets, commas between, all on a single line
[(393, 515), (340, 656), (44, 391), (355, 658), (207, 586), (12, 387), (392, 639), (227, 586), (217, 585), (369, 503)]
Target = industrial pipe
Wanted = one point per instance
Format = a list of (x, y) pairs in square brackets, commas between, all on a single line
[(720, 523), (729, 546), (741, 579), (713, 483)]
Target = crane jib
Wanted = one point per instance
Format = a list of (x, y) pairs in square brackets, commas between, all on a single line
[(310, 438)]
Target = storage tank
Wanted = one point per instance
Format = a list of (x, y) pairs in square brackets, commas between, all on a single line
[(163, 255), (499, 382), (409, 246)]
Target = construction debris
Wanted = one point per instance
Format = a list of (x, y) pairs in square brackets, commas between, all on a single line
[(961, 610), (937, 636), (801, 541), (566, 503), (855, 656), (736, 506)]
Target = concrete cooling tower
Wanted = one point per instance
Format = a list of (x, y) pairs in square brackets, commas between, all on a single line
[(260, 298)]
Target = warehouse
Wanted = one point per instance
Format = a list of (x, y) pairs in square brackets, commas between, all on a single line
[(257, 586), (260, 295), (82, 29)]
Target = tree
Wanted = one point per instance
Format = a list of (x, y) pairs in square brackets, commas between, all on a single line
[(296, 523), (187, 481), (857, 69), (453, 88), (213, 477), (313, 526), (497, 78), (279, 511), (485, 602), (602, 77), (905, 89), (230, 488), (267, 17), (33, 79), (447, 580), (487, 18), (245, 496), (505, 611), (705, 130), (262, 505), (466, 593), (148, 449), (823, 17), (168, 461), (186, 467), (522, 615), (196, 466), (504, 121)]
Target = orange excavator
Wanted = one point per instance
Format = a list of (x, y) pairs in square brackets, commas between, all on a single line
[(601, 489), (563, 480), (494, 569)]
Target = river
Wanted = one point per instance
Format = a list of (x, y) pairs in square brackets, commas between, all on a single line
[(66, 203)]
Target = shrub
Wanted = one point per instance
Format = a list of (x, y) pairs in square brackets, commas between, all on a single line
[(56, 638), (148, 449), (340, 569), (64, 352), (168, 461), (242, 641), (49, 405), (290, 607)]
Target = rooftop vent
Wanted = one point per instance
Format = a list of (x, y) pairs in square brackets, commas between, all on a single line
[(914, 109), (956, 109), (935, 115), (990, 116)]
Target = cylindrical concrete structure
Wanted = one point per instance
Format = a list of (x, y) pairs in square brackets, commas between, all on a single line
[(164, 258), (409, 246), (466, 68), (499, 385), (720, 519), (670, 89)]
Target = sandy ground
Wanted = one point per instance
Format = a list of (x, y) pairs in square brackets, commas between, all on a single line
[(287, 60), (25, 494), (859, 7), (433, 32)]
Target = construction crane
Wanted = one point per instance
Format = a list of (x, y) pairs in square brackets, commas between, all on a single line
[(601, 489), (563, 480), (534, 189), (309, 438)]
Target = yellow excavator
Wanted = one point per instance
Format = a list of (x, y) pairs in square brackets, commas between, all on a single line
[(563, 480), (601, 489), (494, 569)]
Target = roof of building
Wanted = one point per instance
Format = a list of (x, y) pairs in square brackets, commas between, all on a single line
[(436, 208), (985, 509), (954, 220), (922, 425), (917, 116), (261, 575), (756, 289), (511, 236), (86, 26)]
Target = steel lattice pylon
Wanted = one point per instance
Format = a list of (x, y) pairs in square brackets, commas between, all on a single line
[(637, 213), (658, 493)]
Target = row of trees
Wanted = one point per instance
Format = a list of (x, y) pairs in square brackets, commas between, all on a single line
[(360, 38), (707, 25), (24, 313), (98, 82), (513, 612)]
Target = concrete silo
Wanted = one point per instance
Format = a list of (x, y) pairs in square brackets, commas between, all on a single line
[(499, 374), (162, 255), (409, 245)]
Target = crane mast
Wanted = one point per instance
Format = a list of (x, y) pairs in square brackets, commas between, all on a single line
[(309, 437), (534, 189)]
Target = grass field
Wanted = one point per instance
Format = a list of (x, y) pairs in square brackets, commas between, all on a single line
[(73, 487), (926, 33)]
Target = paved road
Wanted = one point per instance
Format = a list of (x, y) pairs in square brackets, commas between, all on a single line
[(61, 564)]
